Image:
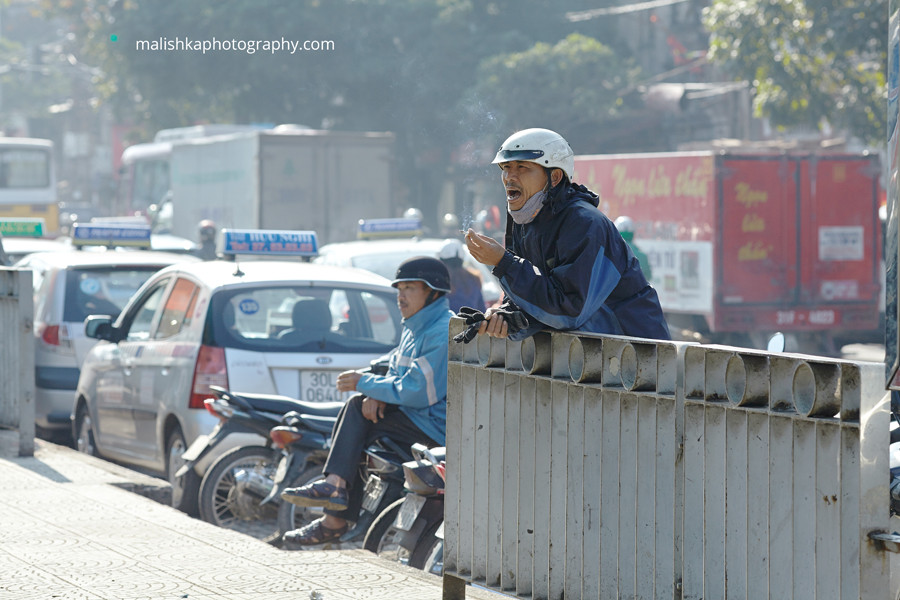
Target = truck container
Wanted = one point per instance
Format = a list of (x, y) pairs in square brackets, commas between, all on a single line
[(295, 179), (743, 245)]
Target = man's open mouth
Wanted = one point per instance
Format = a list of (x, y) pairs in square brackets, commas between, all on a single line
[(512, 195)]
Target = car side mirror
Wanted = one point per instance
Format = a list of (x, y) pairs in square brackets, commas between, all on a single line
[(100, 327), (776, 343)]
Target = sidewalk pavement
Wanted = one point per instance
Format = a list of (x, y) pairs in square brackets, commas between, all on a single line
[(72, 526)]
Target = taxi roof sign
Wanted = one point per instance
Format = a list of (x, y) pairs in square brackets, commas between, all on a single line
[(22, 227), (268, 242), (382, 228), (110, 234)]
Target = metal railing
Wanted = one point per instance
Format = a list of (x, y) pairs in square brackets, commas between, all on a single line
[(583, 466), (17, 357)]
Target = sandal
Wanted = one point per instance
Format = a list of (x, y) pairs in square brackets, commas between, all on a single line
[(319, 493), (314, 533)]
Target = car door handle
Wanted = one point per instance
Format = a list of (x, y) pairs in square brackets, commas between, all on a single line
[(165, 371)]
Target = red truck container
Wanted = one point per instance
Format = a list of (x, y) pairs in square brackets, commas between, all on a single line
[(742, 245)]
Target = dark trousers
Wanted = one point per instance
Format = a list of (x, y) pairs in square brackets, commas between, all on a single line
[(352, 434)]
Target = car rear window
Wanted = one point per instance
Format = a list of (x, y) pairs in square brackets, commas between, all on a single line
[(305, 319), (102, 291)]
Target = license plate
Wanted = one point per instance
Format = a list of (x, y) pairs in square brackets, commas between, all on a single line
[(375, 489), (321, 386), (198, 446), (409, 510), (281, 471)]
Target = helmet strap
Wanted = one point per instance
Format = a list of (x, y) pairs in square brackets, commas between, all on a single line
[(433, 295)]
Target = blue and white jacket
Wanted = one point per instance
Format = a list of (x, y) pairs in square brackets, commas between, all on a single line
[(417, 372), (569, 269)]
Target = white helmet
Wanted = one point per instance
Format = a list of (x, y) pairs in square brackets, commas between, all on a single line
[(624, 224), (413, 213), (541, 146), (450, 221), (452, 248)]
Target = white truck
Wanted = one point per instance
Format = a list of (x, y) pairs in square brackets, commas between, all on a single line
[(282, 179)]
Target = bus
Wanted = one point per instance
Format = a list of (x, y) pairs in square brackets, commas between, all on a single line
[(143, 177), (28, 181)]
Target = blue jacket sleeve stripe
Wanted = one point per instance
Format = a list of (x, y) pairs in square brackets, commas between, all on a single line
[(428, 372)]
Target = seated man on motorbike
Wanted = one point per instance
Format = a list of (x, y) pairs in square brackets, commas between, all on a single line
[(408, 404)]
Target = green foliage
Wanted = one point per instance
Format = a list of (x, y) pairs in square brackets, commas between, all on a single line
[(807, 60), (420, 68), (572, 86)]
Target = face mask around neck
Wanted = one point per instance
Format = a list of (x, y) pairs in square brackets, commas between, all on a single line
[(530, 209)]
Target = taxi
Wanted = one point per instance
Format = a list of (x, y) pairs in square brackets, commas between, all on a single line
[(263, 325), (383, 244), (22, 236), (69, 284)]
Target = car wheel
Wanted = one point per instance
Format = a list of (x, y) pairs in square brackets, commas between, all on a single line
[(83, 431), (185, 490)]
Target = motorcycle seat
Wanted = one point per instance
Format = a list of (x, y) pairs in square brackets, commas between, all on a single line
[(274, 403)]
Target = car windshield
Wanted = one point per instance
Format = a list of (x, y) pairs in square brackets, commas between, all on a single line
[(305, 319), (102, 291)]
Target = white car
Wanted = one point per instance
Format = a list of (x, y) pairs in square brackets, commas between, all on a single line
[(381, 252), (263, 326), (70, 284), (24, 236)]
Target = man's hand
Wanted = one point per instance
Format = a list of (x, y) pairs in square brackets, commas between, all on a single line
[(346, 381), (373, 409), (494, 325), (484, 249)]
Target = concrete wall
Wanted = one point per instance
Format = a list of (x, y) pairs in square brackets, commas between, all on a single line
[(17, 357), (598, 466)]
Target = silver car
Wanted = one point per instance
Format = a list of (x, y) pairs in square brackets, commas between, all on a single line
[(264, 326), (69, 285)]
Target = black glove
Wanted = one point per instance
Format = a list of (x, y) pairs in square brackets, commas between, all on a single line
[(515, 321)]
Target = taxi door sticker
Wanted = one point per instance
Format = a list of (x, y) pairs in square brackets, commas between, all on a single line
[(248, 306)]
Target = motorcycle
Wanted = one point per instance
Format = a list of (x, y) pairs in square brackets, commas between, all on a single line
[(236, 487), (410, 530), (380, 471)]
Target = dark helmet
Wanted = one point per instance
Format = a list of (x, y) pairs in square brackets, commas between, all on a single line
[(426, 269)]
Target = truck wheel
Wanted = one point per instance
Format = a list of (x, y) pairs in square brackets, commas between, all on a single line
[(291, 516), (233, 488), (184, 489), (382, 535), (83, 431)]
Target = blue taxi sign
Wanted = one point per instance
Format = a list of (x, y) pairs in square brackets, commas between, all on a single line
[(269, 242), (401, 227), (22, 227), (110, 234)]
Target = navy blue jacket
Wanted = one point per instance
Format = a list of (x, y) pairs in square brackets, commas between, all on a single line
[(570, 269)]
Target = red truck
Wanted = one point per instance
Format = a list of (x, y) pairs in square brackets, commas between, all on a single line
[(745, 244)]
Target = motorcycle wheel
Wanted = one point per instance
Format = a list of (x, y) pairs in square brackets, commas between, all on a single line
[(424, 551), (382, 537), (227, 502), (292, 517), (434, 564)]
